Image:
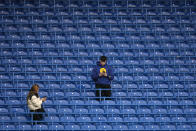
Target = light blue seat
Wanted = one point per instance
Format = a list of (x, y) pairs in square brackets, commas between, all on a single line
[(56, 127), (52, 118), (24, 127), (40, 127), (104, 127), (72, 127), (88, 127), (83, 119), (168, 127), (136, 127), (131, 119)]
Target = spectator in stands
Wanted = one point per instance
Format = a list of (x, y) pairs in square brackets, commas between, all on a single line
[(102, 75), (35, 102)]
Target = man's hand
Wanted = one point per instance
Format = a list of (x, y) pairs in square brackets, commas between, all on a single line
[(44, 99), (100, 74), (105, 74)]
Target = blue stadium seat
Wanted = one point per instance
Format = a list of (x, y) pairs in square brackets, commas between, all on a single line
[(112, 111), (50, 110), (56, 127), (57, 94), (184, 127), (190, 110), (131, 119), (67, 119), (104, 127), (119, 94), (13, 102), (83, 119), (128, 111), (19, 119), (136, 127), (3, 110), (163, 119), (96, 111), (88, 127), (77, 102), (8, 127), (51, 118), (160, 111), (80, 111), (144, 111), (40, 127), (17, 110), (25, 127), (168, 127), (5, 119), (72, 127)]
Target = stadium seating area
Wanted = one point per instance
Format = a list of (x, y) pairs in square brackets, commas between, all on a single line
[(151, 44)]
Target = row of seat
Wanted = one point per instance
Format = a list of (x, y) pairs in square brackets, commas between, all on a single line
[(158, 61), (6, 45), (86, 119), (97, 11), (89, 38), (115, 94), (165, 102), (71, 54), (88, 31), (131, 29), (153, 71), (166, 110), (93, 22), (73, 77), (87, 86), (113, 3), (99, 127)]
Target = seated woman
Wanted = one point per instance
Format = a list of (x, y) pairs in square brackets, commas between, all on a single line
[(35, 103)]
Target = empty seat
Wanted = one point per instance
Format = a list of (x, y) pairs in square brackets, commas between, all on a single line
[(119, 94), (72, 94), (112, 111), (5, 119), (52, 118), (144, 111), (17, 110), (168, 127), (136, 127), (8, 127), (25, 127), (19, 119), (185, 127), (80, 111), (56, 127), (83, 119), (152, 127), (40, 127), (72, 127), (175, 111), (96, 111), (104, 127), (67, 119), (131, 119), (160, 111), (88, 127), (163, 119), (128, 111)]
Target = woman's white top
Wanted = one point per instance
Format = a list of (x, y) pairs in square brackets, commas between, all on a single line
[(34, 103)]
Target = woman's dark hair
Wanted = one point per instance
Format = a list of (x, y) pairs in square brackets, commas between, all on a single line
[(103, 58), (33, 87), (33, 91)]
